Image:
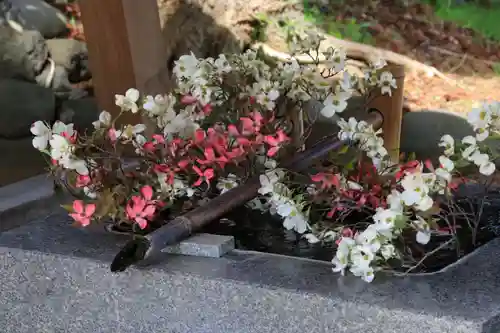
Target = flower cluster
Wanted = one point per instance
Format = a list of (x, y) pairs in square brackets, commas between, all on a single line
[(225, 123), (281, 201)]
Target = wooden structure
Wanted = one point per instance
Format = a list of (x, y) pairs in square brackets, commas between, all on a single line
[(392, 110), (125, 49)]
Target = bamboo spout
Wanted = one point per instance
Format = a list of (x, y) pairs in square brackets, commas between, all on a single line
[(144, 247)]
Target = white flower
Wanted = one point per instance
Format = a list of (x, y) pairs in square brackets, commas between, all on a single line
[(487, 168), (341, 259), (448, 143), (482, 134), (159, 105), (335, 103), (42, 135), (60, 148), (270, 163), (423, 230), (130, 131), (469, 140), (89, 193), (366, 273), (129, 101), (347, 81), (257, 204), (225, 184), (296, 221), (336, 61), (78, 165), (61, 128), (267, 99), (479, 118), (387, 83), (370, 238), (362, 256), (340, 264), (222, 65), (388, 251), (266, 185), (395, 201), (268, 180), (104, 120), (347, 128), (446, 168), (311, 238), (186, 66)]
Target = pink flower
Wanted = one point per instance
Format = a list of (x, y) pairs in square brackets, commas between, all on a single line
[(82, 180), (158, 139), (141, 208), (275, 142), (147, 192), (139, 211), (149, 147), (199, 136), (188, 99), (205, 175), (211, 158), (346, 232), (326, 180), (112, 135), (252, 124), (82, 213), (207, 109)]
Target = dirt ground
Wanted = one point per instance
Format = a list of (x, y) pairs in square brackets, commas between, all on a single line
[(464, 56)]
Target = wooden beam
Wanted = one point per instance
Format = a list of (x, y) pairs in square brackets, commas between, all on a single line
[(392, 110), (126, 49)]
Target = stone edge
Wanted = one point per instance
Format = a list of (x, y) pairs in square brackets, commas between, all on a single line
[(26, 200), (35, 197)]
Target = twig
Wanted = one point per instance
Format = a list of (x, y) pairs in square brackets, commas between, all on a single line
[(429, 254), (459, 64), (455, 54), (356, 51)]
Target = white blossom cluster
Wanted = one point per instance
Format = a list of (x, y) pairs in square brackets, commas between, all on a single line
[(282, 202)]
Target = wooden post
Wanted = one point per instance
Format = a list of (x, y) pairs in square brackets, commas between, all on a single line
[(126, 49), (392, 110)]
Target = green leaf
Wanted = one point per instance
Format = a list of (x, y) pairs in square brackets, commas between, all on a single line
[(68, 208), (343, 150), (401, 222)]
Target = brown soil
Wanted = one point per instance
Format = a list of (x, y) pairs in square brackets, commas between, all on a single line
[(415, 31)]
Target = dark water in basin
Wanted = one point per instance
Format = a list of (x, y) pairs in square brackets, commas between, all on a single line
[(255, 231)]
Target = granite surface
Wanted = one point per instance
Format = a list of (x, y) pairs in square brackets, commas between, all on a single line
[(56, 278)]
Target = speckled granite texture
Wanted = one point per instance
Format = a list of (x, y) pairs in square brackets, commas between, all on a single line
[(55, 278)]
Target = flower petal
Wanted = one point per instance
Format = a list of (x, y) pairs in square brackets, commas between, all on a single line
[(78, 206)]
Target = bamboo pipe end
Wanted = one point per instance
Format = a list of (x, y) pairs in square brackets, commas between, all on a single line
[(133, 252)]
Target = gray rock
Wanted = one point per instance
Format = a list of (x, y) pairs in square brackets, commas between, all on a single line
[(25, 55), (81, 112), (37, 15), (22, 54), (56, 77), (21, 104), (72, 55), (422, 130), (203, 245)]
